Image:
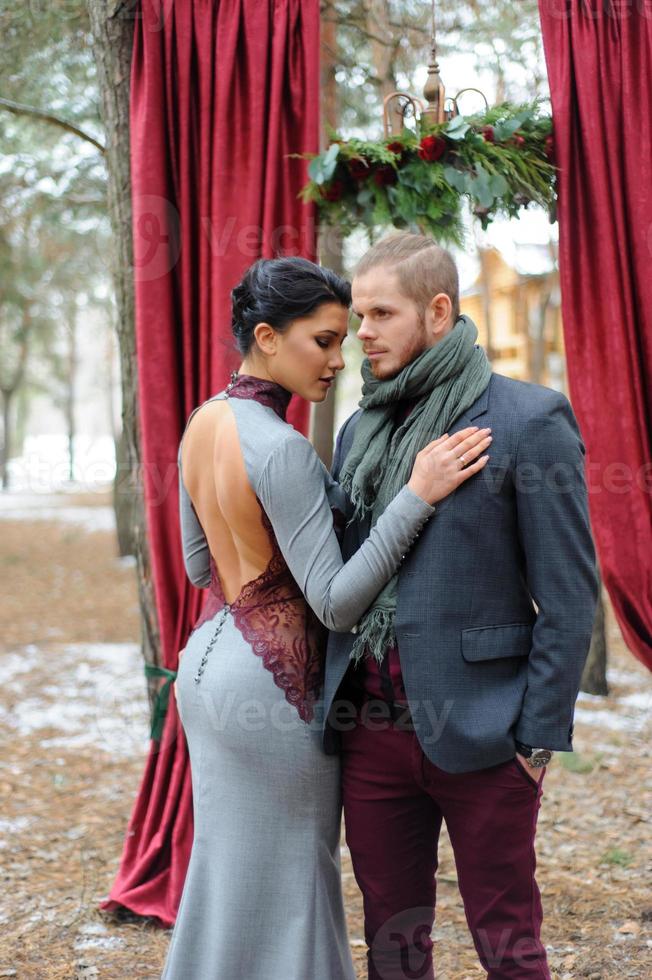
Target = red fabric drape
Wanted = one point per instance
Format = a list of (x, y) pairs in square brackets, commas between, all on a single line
[(221, 92), (599, 58)]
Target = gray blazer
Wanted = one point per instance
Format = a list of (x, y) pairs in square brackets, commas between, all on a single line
[(496, 599)]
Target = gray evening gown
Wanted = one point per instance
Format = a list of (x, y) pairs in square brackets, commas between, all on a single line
[(262, 896)]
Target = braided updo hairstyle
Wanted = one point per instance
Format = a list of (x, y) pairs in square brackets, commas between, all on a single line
[(278, 291)]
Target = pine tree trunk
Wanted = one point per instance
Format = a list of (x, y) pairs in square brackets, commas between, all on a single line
[(322, 423), (112, 24), (71, 393), (6, 438)]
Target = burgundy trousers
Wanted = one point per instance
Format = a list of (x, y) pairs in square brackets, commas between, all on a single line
[(394, 803)]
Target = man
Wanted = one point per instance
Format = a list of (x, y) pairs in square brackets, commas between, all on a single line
[(463, 676)]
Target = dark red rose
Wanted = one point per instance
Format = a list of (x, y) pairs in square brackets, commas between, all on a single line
[(432, 148), (333, 191), (550, 147), (385, 175), (359, 169), (518, 140), (396, 147), (489, 134)]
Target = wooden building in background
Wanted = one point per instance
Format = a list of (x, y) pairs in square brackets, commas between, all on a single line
[(518, 315)]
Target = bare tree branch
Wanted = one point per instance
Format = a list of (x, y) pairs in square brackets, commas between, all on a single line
[(25, 110)]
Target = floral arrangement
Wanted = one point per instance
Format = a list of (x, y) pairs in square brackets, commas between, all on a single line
[(500, 161)]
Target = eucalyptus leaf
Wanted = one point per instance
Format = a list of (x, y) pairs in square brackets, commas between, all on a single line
[(456, 179), (506, 129), (365, 196), (316, 170), (330, 160), (481, 188), (457, 128), (322, 167), (498, 185)]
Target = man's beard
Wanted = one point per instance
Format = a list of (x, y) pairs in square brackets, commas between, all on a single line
[(411, 352)]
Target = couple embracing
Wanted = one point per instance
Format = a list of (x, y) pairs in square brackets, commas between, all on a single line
[(404, 636)]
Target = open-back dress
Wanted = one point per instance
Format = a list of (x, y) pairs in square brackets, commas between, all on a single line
[(262, 895)]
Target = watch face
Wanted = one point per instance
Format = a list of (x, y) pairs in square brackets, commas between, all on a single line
[(540, 757)]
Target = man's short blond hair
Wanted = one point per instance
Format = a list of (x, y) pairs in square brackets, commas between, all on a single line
[(422, 267)]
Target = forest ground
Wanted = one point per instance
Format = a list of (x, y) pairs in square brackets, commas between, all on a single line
[(74, 730)]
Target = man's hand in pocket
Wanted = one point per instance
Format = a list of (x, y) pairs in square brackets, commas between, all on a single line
[(530, 770)]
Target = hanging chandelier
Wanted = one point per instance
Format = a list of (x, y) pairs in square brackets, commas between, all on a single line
[(498, 161), (437, 109)]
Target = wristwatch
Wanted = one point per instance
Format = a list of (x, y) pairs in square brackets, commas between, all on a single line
[(536, 758)]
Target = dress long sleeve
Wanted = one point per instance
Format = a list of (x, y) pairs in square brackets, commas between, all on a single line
[(292, 490), (196, 554)]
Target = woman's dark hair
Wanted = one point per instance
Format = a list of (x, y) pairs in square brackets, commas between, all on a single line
[(278, 291)]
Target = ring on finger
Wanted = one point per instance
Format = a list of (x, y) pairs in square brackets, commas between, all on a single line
[(462, 460)]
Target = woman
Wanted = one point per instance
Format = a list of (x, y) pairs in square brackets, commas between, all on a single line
[(262, 897)]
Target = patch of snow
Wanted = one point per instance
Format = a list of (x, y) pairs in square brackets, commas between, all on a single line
[(8, 827), (44, 463), (18, 663), (596, 698), (617, 676), (630, 712), (43, 507), (639, 699), (96, 699), (612, 720), (93, 929), (126, 561), (106, 942)]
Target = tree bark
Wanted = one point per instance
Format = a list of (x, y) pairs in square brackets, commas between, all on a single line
[(594, 676), (7, 395), (384, 43), (9, 389), (322, 421), (322, 426), (112, 26), (71, 393)]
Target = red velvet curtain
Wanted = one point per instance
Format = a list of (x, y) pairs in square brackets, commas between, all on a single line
[(599, 57), (221, 92)]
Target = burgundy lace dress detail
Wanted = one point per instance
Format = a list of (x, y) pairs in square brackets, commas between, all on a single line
[(271, 612), (265, 392)]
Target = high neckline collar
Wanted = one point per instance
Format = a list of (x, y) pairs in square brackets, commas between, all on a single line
[(268, 393)]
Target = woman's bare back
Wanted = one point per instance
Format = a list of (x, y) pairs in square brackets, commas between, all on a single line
[(223, 498)]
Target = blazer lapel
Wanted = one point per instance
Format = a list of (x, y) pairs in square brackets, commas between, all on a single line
[(478, 408)]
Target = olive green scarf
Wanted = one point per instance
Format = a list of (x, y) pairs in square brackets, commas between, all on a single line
[(447, 379)]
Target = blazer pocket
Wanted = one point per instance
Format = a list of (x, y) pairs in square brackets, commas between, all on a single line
[(494, 642)]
